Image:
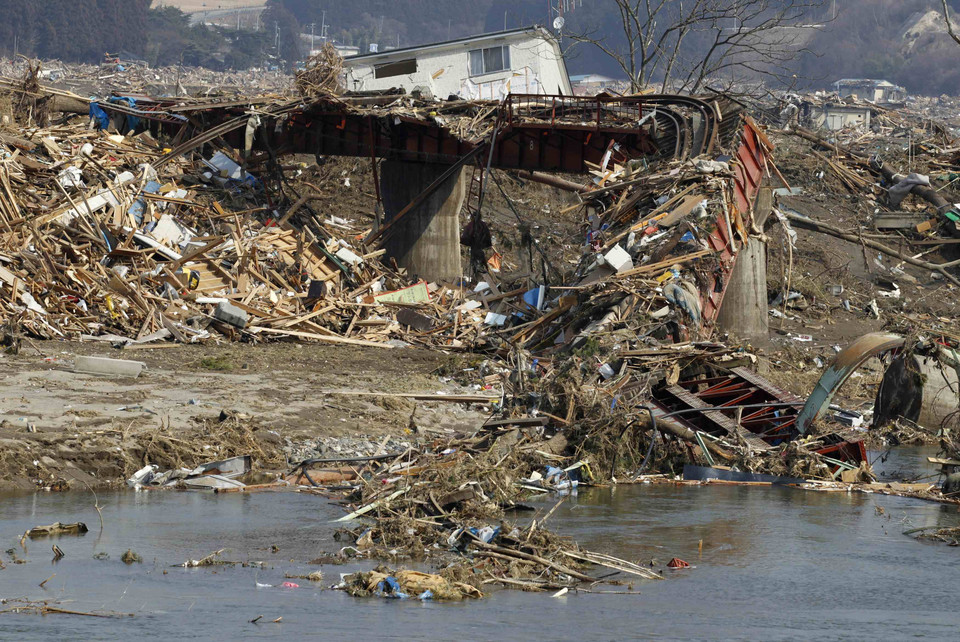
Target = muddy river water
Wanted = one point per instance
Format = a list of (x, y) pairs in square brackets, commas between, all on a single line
[(776, 563)]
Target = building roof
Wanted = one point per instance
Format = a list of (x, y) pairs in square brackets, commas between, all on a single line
[(536, 29), (838, 107), (865, 82)]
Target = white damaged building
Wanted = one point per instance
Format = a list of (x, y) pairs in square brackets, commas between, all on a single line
[(488, 66)]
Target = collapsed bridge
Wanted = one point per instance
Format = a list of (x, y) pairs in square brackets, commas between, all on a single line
[(427, 148), (427, 145)]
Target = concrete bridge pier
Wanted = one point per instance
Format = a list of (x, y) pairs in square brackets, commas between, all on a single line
[(744, 311), (427, 240)]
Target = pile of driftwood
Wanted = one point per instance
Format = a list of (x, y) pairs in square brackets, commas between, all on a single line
[(451, 501), (321, 77)]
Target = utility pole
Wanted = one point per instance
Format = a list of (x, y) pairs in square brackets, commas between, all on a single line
[(323, 27), (312, 26)]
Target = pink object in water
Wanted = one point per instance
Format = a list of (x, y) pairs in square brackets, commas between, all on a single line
[(290, 585)]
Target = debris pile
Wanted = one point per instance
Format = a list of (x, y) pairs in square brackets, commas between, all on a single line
[(137, 243), (322, 73), (405, 584), (99, 244), (114, 74), (608, 364), (449, 502)]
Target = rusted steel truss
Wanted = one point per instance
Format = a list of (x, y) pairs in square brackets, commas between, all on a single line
[(536, 132)]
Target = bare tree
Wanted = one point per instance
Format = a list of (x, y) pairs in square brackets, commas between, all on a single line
[(751, 39), (653, 32), (685, 44), (946, 16)]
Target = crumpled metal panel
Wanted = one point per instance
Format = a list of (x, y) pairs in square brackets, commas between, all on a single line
[(748, 170), (844, 365)]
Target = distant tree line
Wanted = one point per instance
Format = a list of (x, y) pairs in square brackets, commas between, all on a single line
[(85, 30), (72, 29)]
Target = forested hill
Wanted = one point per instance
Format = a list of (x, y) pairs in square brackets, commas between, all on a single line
[(72, 29), (85, 30), (413, 21)]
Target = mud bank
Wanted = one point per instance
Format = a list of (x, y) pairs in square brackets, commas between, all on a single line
[(56, 424)]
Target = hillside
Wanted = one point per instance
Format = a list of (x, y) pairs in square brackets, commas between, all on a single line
[(904, 42)]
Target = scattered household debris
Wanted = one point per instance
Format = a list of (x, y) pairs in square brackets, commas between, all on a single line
[(609, 367), (405, 584)]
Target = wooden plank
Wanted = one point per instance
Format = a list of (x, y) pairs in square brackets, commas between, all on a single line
[(566, 303), (11, 279), (319, 337)]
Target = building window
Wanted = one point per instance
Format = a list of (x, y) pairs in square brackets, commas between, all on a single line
[(488, 61), (399, 68)]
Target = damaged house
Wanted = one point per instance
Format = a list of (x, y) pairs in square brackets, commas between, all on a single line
[(836, 116), (881, 92), (488, 66)]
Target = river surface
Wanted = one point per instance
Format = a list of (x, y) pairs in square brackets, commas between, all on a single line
[(776, 564)]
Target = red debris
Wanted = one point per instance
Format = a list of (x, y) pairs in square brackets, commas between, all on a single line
[(676, 562)]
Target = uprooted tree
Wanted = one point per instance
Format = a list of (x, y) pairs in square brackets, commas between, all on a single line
[(685, 44)]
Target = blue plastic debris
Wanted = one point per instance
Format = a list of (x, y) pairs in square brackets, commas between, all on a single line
[(486, 534), (685, 299), (133, 122), (561, 479), (426, 595), (96, 112), (140, 205), (390, 588), (535, 297)]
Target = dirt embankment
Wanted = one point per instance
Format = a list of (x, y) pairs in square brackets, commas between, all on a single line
[(58, 424)]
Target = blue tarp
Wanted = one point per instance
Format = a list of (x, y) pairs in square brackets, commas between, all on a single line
[(133, 122), (103, 120)]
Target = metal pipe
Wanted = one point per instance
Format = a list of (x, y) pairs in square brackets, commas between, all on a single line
[(552, 181)]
